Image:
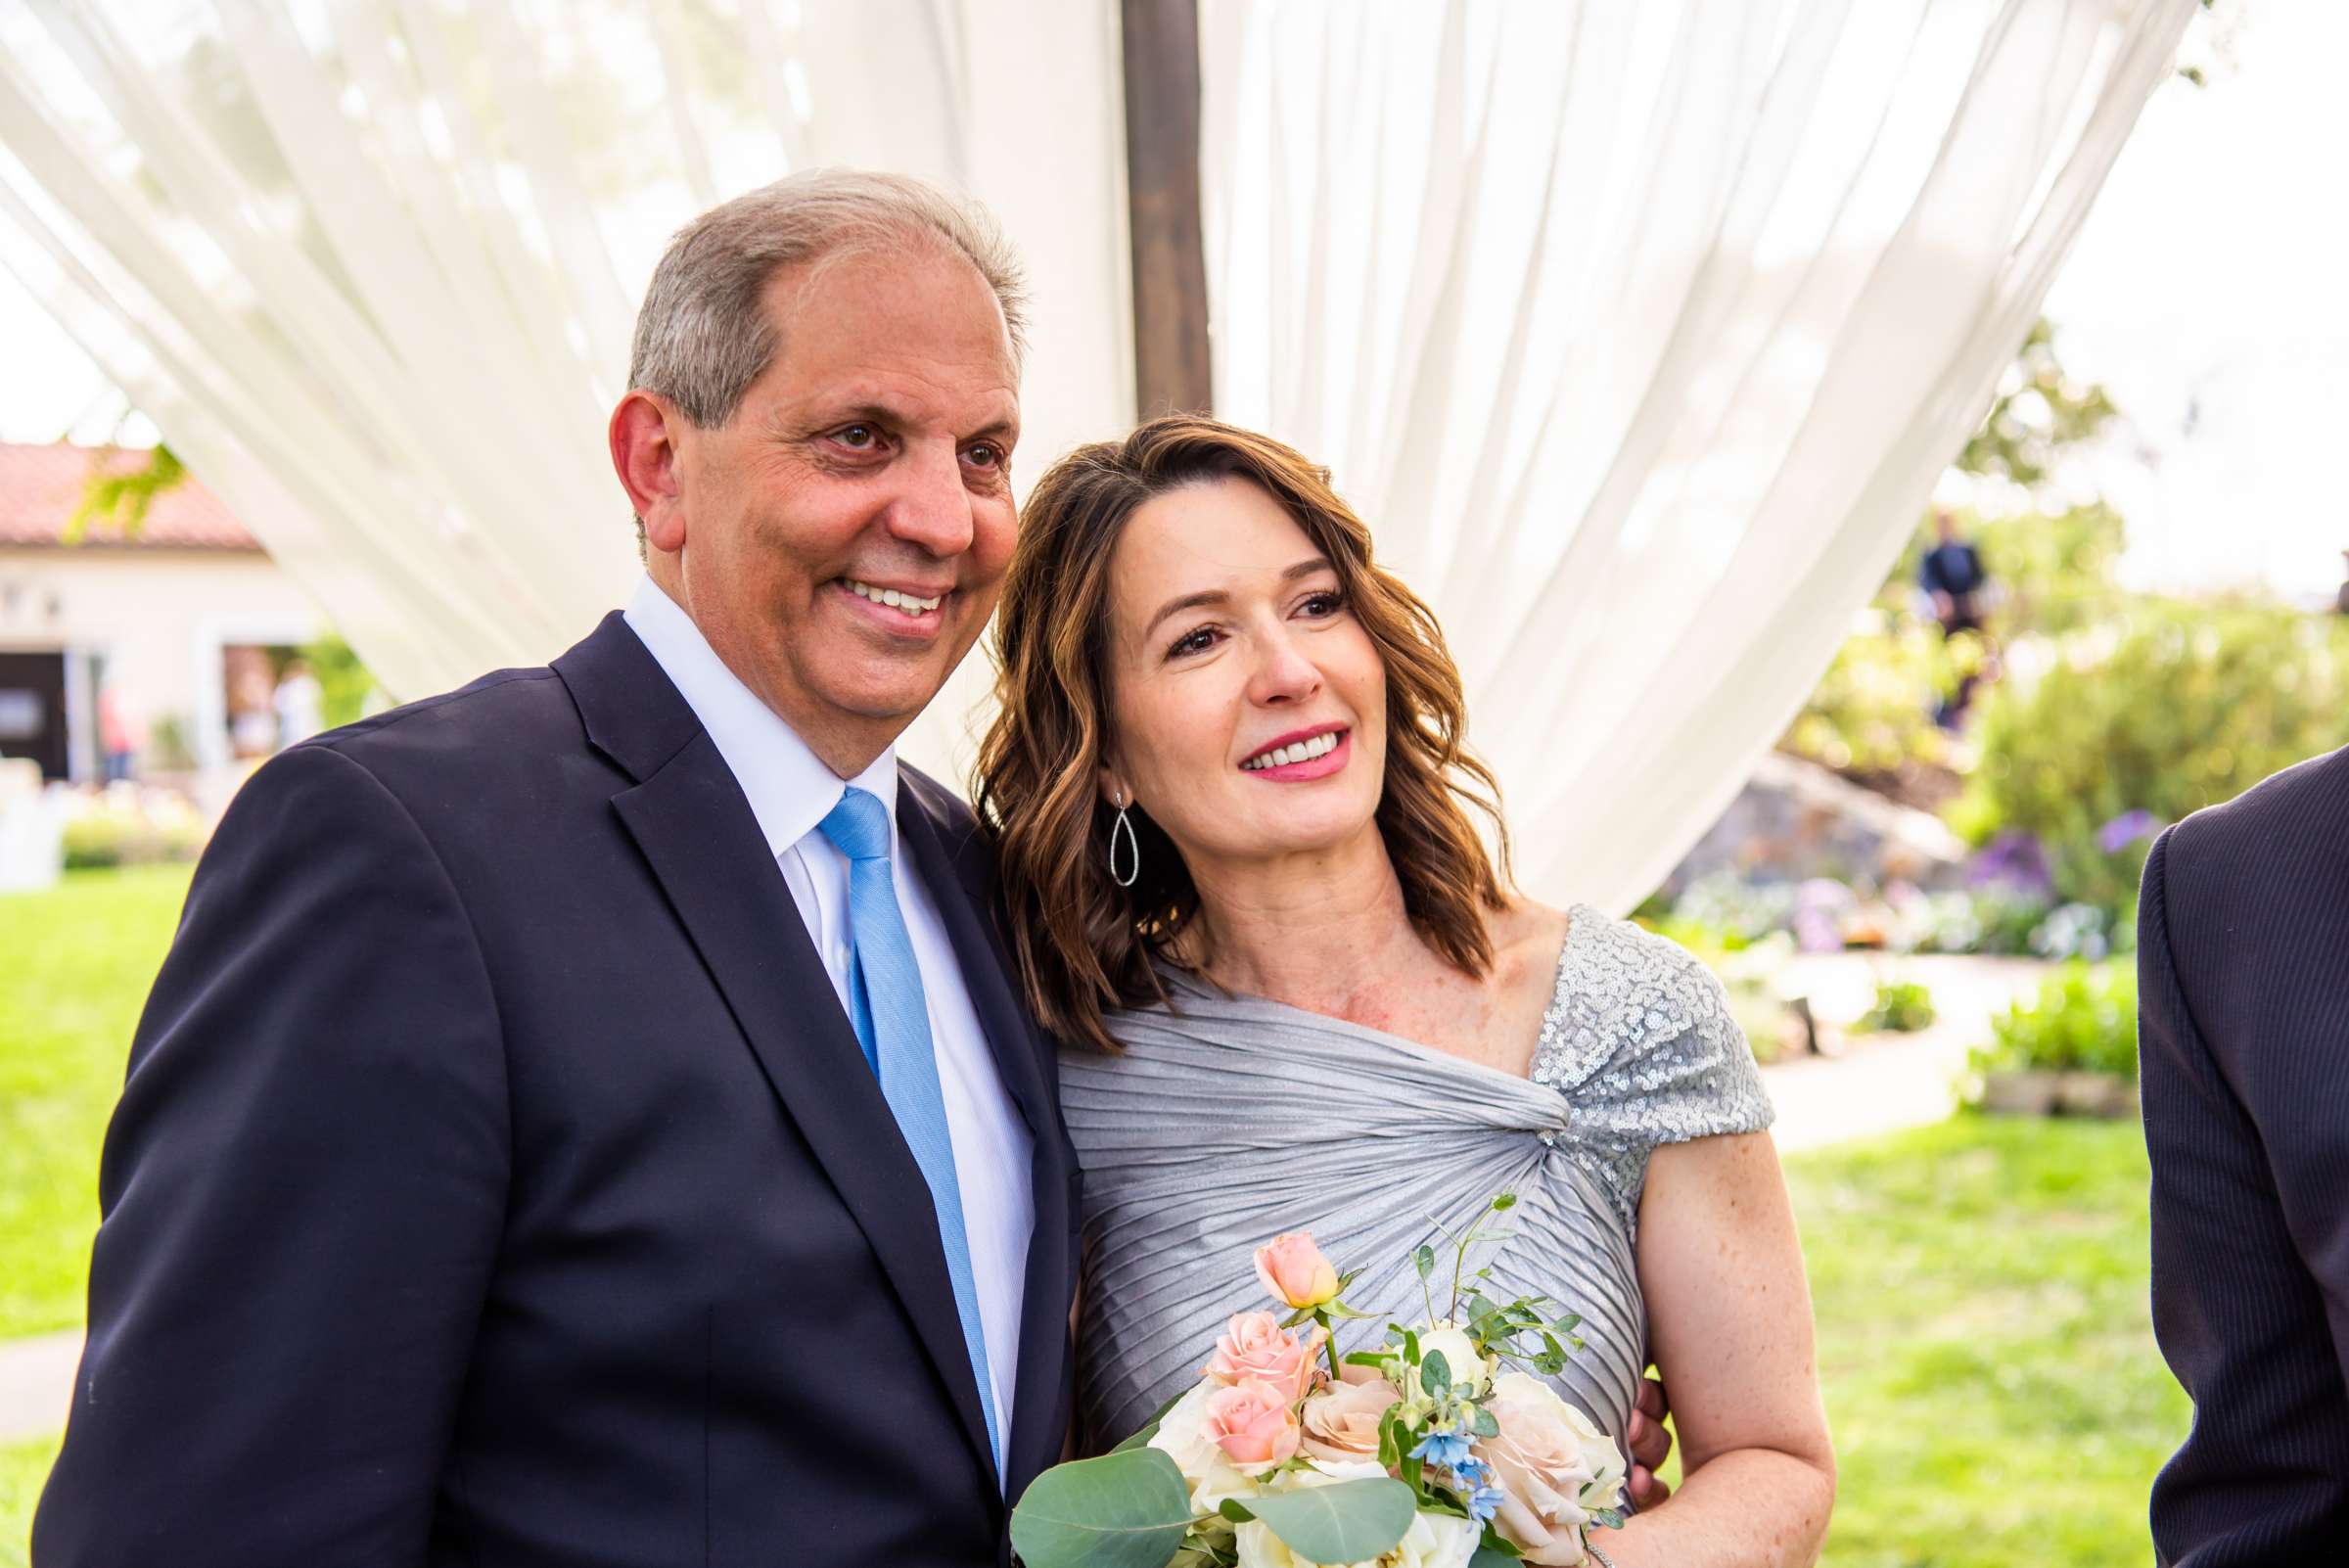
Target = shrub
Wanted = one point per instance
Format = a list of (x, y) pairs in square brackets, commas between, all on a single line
[(2084, 1019), (1902, 1007), (126, 826), (2101, 735)]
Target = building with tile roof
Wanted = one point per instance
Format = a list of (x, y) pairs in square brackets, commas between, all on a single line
[(154, 643)]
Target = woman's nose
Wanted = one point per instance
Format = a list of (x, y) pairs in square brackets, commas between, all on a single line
[(1284, 674)]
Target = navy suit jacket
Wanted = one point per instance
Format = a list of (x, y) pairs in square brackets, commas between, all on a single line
[(497, 1180), (2244, 1044)]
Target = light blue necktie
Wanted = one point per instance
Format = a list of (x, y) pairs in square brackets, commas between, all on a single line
[(892, 1025)]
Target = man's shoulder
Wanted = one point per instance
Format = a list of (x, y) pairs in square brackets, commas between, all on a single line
[(502, 714), (2281, 825)]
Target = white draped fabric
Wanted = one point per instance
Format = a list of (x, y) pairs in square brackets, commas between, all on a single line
[(1638, 331), (372, 266)]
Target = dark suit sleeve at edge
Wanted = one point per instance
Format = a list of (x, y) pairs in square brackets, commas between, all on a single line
[(2238, 1317), (302, 1189)]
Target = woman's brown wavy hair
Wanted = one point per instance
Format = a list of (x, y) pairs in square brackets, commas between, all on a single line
[(1083, 942)]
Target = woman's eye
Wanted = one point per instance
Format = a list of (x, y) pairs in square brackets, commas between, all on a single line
[(1193, 642), (1323, 605)]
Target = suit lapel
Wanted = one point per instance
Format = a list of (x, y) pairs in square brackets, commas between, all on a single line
[(961, 888), (689, 817)]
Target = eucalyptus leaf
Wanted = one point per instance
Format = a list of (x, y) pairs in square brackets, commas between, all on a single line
[(1343, 1523), (1488, 1425), (1121, 1510), (1424, 1260), (1435, 1375), (1505, 1202), (1612, 1518)]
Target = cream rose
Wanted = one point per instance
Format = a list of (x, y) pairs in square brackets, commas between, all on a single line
[(1434, 1539), (1343, 1423), (1255, 1347), (1459, 1354), (1206, 1468), (1557, 1467)]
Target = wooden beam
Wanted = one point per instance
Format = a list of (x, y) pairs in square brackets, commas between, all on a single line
[(1170, 367)]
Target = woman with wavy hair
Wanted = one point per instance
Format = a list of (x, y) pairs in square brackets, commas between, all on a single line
[(1238, 831)]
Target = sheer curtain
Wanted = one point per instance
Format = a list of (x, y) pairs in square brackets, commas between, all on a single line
[(1638, 332), (1639, 335), (371, 266)]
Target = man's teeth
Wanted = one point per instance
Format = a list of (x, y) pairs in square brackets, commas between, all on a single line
[(1304, 751), (892, 598)]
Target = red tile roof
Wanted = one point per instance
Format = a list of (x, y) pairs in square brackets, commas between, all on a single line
[(40, 487)]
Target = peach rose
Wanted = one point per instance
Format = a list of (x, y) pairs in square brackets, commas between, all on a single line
[(1255, 1423), (1294, 1271), (1343, 1423), (1256, 1347), (1557, 1467)]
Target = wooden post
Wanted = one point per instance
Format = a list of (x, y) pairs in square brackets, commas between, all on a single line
[(1162, 197)]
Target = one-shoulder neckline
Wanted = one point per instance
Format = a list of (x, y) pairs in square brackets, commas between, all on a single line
[(1579, 917)]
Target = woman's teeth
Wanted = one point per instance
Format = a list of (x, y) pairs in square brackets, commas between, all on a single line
[(892, 597), (1304, 751)]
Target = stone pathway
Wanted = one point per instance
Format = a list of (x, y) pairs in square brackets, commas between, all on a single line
[(1886, 1083), (1881, 1083), (36, 1384)]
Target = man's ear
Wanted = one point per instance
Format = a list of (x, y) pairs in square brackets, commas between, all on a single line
[(643, 435)]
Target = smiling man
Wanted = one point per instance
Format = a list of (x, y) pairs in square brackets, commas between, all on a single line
[(583, 1118)]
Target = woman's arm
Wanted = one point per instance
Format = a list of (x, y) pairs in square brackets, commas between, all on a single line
[(1728, 1315)]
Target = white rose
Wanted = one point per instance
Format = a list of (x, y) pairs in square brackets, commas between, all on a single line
[(1206, 1468), (1434, 1539), (1459, 1354)]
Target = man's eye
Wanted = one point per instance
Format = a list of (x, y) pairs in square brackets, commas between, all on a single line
[(858, 436), (1193, 642), (986, 454)]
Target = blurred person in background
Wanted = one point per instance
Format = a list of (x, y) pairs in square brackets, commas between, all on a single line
[(1953, 578)]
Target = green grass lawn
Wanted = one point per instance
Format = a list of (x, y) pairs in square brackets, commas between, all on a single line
[(1990, 1373), (76, 962), (23, 1466), (1991, 1376)]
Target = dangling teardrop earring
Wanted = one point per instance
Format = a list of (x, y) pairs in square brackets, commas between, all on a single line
[(1134, 847)]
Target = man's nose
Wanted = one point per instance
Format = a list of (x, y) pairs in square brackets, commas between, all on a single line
[(932, 508), (1284, 675)]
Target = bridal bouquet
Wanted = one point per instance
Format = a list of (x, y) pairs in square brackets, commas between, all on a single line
[(1423, 1451)]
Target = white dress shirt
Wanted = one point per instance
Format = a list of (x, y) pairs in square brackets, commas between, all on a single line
[(789, 791)]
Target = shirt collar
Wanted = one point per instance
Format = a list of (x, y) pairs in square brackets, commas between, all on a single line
[(790, 787)]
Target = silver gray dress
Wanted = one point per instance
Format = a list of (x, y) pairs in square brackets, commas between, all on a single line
[(1231, 1118)]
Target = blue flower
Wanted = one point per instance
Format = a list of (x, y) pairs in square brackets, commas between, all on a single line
[(1447, 1448), (2126, 829), (1478, 1490)]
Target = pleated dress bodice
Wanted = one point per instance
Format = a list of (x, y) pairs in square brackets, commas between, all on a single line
[(1228, 1120)]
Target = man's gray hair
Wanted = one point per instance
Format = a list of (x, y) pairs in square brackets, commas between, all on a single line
[(701, 338)]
